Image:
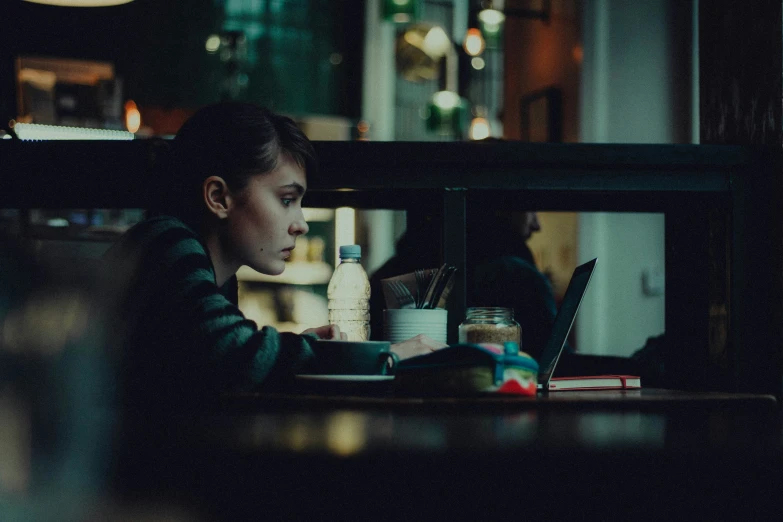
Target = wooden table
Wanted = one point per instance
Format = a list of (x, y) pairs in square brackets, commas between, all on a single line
[(602, 453), (640, 399)]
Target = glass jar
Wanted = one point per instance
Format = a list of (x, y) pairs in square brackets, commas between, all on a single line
[(491, 324)]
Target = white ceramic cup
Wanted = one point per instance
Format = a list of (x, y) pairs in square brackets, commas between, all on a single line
[(402, 324)]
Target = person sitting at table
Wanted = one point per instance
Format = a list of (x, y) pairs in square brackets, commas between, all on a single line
[(235, 177), (504, 273), (501, 271)]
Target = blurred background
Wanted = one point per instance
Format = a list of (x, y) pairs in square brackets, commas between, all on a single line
[(593, 71), (590, 71)]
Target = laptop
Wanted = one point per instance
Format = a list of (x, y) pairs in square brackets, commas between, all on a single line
[(564, 321)]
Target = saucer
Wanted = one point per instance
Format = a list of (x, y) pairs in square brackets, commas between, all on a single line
[(345, 378)]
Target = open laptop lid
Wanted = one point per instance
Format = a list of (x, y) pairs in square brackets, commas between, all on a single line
[(563, 322)]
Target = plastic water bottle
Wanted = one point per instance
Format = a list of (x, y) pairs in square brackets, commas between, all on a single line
[(349, 295)]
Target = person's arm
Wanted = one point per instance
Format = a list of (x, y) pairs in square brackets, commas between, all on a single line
[(329, 331), (230, 349), (183, 333), (419, 345)]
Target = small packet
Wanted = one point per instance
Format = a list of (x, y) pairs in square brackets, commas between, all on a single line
[(469, 369)]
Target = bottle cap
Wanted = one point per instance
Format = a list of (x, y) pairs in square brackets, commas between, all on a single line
[(350, 252)]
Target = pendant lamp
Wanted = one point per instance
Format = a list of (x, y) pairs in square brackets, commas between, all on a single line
[(401, 11), (80, 3)]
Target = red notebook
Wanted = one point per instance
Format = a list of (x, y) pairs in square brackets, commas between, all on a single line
[(595, 382)]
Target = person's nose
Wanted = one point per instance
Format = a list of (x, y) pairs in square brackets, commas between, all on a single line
[(535, 226), (299, 226)]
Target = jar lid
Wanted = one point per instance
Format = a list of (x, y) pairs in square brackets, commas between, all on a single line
[(489, 312)]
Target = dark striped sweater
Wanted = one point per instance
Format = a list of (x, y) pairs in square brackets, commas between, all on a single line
[(185, 339)]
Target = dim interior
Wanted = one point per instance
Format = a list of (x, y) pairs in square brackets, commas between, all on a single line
[(623, 307)]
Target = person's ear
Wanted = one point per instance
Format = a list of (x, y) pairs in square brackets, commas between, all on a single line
[(217, 196)]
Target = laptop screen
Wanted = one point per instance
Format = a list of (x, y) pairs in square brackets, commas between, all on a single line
[(564, 321)]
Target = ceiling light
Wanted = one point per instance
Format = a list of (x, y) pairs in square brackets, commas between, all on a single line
[(419, 51), (436, 42), (491, 24), (474, 42), (491, 17), (81, 3), (401, 11), (212, 44), (446, 99), (447, 114), (479, 129), (132, 117)]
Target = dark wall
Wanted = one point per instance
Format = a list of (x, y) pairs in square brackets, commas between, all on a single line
[(740, 71)]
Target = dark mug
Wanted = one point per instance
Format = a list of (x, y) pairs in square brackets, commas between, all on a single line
[(353, 358)]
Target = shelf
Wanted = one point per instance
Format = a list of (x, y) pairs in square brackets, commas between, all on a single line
[(296, 273), (313, 215)]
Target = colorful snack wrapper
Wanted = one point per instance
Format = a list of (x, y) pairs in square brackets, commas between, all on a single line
[(469, 369)]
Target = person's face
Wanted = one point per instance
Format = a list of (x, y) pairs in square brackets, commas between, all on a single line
[(267, 217), (529, 224)]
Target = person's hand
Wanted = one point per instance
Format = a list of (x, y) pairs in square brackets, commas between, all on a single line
[(330, 332), (419, 345)]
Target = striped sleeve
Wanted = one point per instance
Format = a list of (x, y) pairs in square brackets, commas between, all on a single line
[(186, 331)]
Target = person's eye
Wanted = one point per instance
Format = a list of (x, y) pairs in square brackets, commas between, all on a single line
[(287, 201)]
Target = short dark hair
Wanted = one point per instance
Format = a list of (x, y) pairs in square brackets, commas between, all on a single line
[(233, 140)]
